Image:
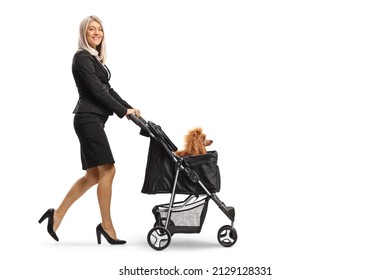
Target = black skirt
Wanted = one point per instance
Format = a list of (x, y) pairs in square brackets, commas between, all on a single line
[(94, 146)]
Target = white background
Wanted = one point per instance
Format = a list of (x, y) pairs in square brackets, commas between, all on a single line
[(295, 95)]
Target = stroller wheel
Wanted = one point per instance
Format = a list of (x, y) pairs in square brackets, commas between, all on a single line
[(162, 223), (159, 238), (227, 236)]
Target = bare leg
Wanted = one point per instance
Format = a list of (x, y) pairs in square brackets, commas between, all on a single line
[(104, 193), (83, 184)]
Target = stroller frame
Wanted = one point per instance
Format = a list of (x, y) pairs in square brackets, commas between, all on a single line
[(159, 237)]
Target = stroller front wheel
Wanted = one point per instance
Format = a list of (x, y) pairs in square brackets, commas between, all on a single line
[(159, 238), (227, 236)]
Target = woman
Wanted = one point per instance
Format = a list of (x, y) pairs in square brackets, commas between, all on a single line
[(97, 101)]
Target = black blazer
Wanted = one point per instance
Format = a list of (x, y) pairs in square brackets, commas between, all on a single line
[(95, 92)]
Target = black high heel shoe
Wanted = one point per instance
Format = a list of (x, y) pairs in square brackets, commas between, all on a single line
[(100, 231), (49, 214)]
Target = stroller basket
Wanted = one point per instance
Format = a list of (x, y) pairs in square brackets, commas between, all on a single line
[(185, 217), (161, 170)]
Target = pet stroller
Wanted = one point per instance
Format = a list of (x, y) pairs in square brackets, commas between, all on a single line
[(195, 176)]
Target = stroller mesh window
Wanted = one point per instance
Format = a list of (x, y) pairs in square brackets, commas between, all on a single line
[(184, 218)]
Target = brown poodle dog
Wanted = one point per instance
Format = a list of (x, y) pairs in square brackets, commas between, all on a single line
[(195, 143)]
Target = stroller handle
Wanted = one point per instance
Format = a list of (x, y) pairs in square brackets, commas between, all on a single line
[(149, 129), (140, 122), (136, 119)]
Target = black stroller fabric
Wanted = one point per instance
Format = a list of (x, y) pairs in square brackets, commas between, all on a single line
[(161, 170)]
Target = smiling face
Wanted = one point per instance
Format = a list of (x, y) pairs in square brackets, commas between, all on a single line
[(94, 34)]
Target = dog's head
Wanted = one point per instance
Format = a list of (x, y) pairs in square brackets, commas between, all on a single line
[(196, 141)]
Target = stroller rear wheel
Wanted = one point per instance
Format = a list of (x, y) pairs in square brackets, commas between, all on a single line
[(227, 236), (159, 238), (170, 223)]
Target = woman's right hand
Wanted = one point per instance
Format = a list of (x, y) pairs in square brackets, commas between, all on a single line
[(133, 111)]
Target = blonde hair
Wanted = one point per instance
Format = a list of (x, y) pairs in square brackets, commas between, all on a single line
[(100, 51)]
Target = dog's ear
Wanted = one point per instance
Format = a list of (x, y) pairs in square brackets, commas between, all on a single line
[(196, 132)]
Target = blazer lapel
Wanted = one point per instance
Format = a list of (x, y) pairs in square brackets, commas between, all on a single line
[(104, 69)]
